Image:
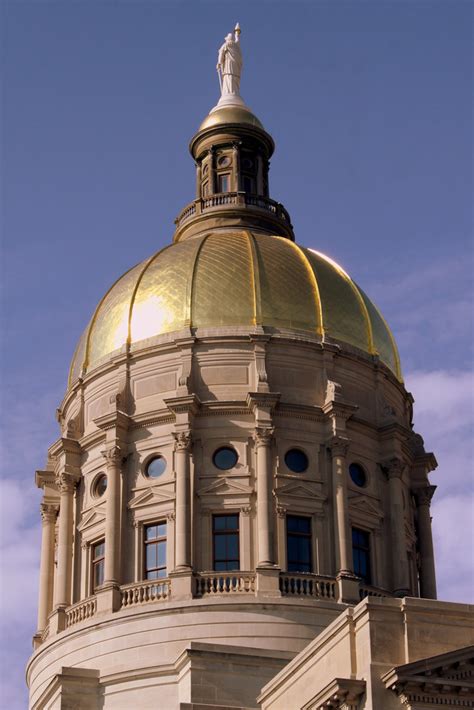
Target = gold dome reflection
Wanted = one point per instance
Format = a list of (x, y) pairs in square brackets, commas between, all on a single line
[(150, 317)]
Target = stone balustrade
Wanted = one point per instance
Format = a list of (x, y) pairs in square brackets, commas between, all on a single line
[(224, 199), (145, 592), (308, 585), (366, 590), (84, 609), (224, 583)]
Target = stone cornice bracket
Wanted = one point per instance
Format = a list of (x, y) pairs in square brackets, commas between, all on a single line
[(260, 341), (394, 467), (263, 436), (185, 348), (187, 404), (424, 495), (44, 478), (281, 510), (117, 420), (338, 445), (182, 441), (48, 513), (246, 510), (263, 400)]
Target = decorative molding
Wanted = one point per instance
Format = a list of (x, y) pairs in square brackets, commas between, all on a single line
[(113, 455), (224, 486), (424, 495), (183, 440), (246, 510), (263, 436), (339, 445), (48, 513), (281, 510), (394, 467), (150, 496), (93, 517), (340, 694), (66, 483), (171, 516)]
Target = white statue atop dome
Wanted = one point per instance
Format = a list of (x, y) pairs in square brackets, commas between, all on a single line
[(229, 64)]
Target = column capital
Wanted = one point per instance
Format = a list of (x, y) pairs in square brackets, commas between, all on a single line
[(263, 436), (113, 455), (339, 445), (48, 513), (281, 510), (424, 495), (66, 482), (246, 510), (394, 467), (182, 440), (170, 516)]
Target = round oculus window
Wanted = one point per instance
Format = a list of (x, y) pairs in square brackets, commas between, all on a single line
[(225, 458), (155, 467), (357, 474), (296, 460), (224, 161), (100, 485)]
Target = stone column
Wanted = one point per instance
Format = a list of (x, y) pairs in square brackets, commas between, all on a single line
[(236, 186), (198, 181), (342, 530), (245, 541), (263, 442), (425, 541), (62, 588), (113, 457), (400, 576), (183, 502), (212, 171), (46, 575)]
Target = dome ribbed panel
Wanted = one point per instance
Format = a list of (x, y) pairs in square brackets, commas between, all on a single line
[(223, 291), (110, 328), (161, 302), (383, 339), (343, 317), (78, 358), (287, 298)]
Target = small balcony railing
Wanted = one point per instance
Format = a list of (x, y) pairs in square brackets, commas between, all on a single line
[(214, 583), (308, 585), (222, 200), (145, 592), (80, 611)]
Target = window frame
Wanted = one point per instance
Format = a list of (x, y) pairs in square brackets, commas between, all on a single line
[(216, 533), (160, 539), (228, 177), (97, 563), (308, 536)]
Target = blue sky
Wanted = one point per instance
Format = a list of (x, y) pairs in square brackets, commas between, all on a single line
[(370, 107)]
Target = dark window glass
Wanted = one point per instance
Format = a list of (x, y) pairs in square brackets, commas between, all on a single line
[(357, 474), (155, 551), (98, 562), (248, 183), (296, 460), (156, 467), (223, 183), (225, 537), (100, 485), (361, 554), (225, 458), (298, 543)]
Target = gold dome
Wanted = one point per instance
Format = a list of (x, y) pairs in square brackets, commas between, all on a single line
[(230, 114), (226, 279)]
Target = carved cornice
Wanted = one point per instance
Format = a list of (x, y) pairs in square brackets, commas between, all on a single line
[(113, 420), (48, 513), (340, 694), (182, 440), (44, 478), (424, 495), (263, 436)]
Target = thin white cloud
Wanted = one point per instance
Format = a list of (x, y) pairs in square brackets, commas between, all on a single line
[(444, 416)]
